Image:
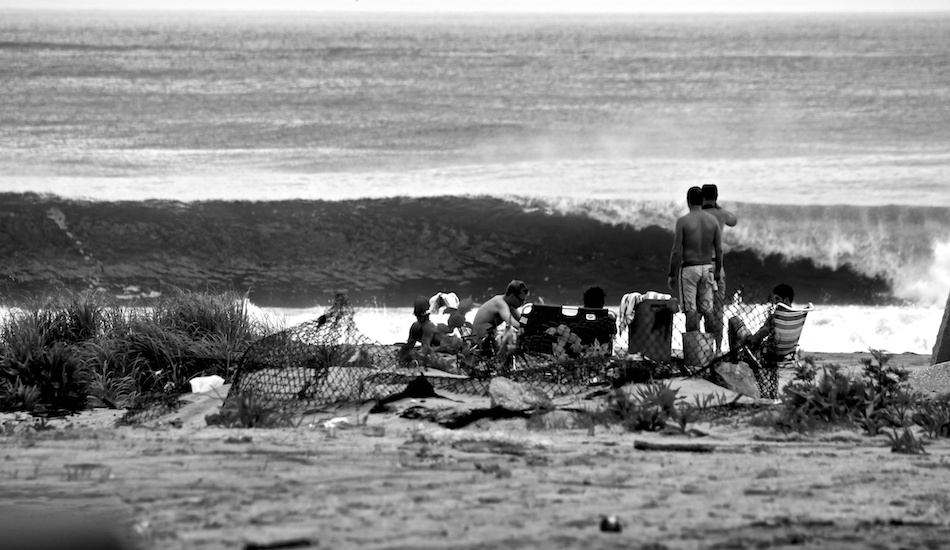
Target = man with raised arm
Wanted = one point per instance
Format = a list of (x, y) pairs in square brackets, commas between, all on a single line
[(724, 217), (697, 240)]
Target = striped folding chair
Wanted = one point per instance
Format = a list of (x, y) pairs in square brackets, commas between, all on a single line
[(780, 347)]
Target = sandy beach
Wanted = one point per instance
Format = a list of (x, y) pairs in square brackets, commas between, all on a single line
[(387, 481)]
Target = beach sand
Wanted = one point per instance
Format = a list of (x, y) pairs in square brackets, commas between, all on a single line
[(395, 482)]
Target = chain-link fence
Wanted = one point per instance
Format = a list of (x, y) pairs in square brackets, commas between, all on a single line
[(329, 360), (562, 351), (657, 335)]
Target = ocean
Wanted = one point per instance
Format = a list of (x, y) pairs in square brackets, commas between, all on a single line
[(300, 155)]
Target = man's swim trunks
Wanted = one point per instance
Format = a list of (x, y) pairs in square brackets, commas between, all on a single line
[(697, 286)]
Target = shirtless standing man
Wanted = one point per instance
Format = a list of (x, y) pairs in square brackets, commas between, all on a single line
[(696, 241), (724, 217), (500, 308)]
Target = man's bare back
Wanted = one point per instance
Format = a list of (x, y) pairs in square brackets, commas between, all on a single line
[(700, 235), (697, 245)]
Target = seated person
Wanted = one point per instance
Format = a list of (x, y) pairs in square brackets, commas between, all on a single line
[(594, 297), (739, 334), (500, 308), (422, 331)]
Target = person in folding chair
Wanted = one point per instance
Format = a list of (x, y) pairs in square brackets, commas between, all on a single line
[(775, 340)]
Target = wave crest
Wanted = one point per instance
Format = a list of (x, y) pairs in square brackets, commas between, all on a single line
[(909, 246)]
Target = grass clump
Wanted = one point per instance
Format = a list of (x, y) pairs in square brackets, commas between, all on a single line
[(64, 353), (905, 443), (650, 407), (247, 410)]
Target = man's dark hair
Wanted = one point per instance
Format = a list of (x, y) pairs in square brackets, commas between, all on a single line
[(515, 287), (784, 291), (710, 192), (594, 297), (694, 197)]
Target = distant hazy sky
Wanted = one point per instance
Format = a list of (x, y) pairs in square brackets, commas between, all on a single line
[(500, 6)]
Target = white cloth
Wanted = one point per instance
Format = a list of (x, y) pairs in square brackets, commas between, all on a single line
[(205, 384), (443, 299)]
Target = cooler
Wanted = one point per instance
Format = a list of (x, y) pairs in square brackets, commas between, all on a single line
[(651, 332)]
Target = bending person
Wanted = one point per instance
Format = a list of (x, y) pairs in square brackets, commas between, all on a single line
[(501, 308)]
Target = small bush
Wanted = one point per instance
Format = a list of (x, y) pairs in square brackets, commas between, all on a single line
[(650, 408), (77, 317), (57, 377), (247, 410), (877, 399), (933, 415), (906, 443), (17, 396)]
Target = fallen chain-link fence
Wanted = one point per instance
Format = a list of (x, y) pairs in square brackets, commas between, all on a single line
[(563, 351)]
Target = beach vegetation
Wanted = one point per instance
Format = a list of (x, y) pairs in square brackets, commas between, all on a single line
[(875, 399), (70, 351), (650, 407), (905, 443), (249, 410), (933, 416)]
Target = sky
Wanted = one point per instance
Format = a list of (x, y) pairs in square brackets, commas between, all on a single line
[(498, 6)]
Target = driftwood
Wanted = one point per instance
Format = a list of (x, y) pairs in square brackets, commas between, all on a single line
[(677, 447), (291, 543)]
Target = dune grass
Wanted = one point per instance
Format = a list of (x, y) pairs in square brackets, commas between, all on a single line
[(66, 352)]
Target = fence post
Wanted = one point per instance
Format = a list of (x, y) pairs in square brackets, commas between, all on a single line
[(941, 351)]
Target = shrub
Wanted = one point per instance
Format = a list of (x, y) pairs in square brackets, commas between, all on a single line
[(906, 443), (17, 396), (52, 380), (247, 410), (76, 317), (876, 399), (650, 408), (933, 415), (82, 344), (202, 315)]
